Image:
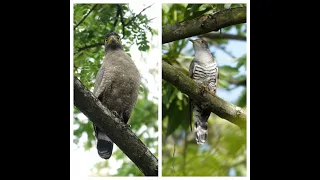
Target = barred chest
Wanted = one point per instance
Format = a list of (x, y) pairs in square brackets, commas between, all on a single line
[(206, 74)]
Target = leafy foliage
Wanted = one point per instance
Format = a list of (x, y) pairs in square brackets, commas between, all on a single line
[(226, 147), (89, 32)]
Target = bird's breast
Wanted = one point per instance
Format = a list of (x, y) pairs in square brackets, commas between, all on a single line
[(205, 72)]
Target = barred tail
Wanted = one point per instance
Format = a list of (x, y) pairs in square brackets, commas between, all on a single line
[(104, 143), (201, 124)]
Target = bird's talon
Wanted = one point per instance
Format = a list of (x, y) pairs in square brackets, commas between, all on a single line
[(202, 89)]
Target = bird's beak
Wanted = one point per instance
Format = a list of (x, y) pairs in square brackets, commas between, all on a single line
[(112, 39)]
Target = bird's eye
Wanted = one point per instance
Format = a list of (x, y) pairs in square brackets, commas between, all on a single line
[(118, 37), (106, 39), (202, 41)]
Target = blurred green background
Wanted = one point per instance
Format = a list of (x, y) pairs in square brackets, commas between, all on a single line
[(224, 154), (136, 26)]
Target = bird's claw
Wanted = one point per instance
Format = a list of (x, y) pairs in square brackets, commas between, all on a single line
[(203, 89)]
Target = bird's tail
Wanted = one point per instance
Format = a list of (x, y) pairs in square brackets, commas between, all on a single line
[(104, 143), (201, 123)]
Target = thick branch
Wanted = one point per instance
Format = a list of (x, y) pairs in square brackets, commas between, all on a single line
[(94, 6), (218, 106), (203, 24), (224, 36), (118, 132)]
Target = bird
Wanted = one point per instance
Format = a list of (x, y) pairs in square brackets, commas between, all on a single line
[(116, 86), (204, 70)]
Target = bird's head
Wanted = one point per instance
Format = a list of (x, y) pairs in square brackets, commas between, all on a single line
[(199, 44), (112, 41)]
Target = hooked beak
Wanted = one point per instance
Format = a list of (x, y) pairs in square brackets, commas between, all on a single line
[(111, 39)]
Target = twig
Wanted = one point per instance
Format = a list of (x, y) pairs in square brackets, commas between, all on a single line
[(94, 6), (174, 151), (225, 51), (89, 46), (138, 14)]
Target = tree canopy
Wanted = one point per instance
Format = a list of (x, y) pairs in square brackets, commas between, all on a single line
[(224, 154)]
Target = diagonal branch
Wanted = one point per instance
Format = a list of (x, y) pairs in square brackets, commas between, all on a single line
[(218, 106), (225, 51), (94, 6), (203, 24), (118, 132)]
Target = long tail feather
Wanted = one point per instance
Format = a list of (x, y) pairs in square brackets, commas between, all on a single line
[(104, 144), (201, 124)]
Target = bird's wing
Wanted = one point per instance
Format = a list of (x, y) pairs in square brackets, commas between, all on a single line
[(98, 89), (217, 77), (191, 69)]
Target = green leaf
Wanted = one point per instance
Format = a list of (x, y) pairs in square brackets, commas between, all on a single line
[(198, 13), (190, 9), (242, 101), (228, 70), (242, 61)]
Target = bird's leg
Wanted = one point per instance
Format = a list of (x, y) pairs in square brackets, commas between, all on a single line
[(125, 118)]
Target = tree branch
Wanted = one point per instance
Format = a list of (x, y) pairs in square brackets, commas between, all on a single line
[(116, 18), (203, 24), (218, 106), (89, 46), (122, 21), (223, 36), (94, 6), (117, 131), (224, 50), (237, 82), (134, 17)]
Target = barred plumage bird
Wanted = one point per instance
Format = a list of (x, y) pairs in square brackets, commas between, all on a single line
[(116, 86), (204, 70)]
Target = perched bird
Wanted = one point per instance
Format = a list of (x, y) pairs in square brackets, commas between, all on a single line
[(204, 70), (116, 86)]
